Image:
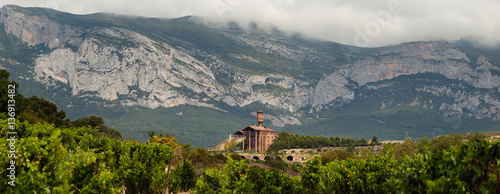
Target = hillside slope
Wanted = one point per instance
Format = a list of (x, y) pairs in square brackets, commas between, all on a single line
[(122, 67)]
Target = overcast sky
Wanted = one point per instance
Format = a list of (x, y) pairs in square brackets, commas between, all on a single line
[(353, 22)]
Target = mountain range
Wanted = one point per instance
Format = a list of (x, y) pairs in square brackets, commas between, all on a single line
[(203, 81)]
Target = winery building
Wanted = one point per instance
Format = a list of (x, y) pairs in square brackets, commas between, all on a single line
[(257, 138)]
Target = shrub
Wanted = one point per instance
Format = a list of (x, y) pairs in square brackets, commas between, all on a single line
[(335, 155)]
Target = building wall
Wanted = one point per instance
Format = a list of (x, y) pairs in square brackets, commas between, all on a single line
[(264, 140)]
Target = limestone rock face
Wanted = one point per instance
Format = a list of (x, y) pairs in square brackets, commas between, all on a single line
[(422, 57), (35, 30), (109, 71), (330, 88)]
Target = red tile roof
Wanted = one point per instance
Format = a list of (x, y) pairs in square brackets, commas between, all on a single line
[(257, 128)]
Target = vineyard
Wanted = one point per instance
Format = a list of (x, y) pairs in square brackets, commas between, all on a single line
[(56, 160), (77, 160), (468, 167)]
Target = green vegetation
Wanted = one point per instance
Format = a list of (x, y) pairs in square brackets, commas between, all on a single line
[(8, 91), (198, 125), (471, 166), (96, 122), (117, 42), (38, 110), (183, 177), (77, 160), (63, 160), (272, 89), (237, 177), (336, 155), (384, 112), (15, 49), (291, 141)]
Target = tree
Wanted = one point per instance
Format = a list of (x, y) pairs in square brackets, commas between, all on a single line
[(310, 175), (424, 145), (163, 139), (8, 89), (92, 121), (408, 148), (96, 122), (201, 157), (362, 142), (374, 141), (187, 173), (336, 155), (351, 148), (39, 110), (445, 142)]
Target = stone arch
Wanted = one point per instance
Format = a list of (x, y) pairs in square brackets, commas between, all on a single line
[(267, 158), (243, 157), (256, 158), (289, 158)]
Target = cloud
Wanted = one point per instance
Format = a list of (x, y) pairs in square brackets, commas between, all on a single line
[(361, 22)]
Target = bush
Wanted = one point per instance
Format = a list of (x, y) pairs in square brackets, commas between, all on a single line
[(408, 148), (201, 157), (336, 155), (182, 178), (351, 148), (375, 141), (278, 164), (66, 160), (296, 167), (445, 142), (237, 177)]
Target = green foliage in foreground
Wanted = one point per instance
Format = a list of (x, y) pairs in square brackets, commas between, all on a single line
[(40, 110), (76, 160), (182, 177), (469, 167), (237, 177)]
